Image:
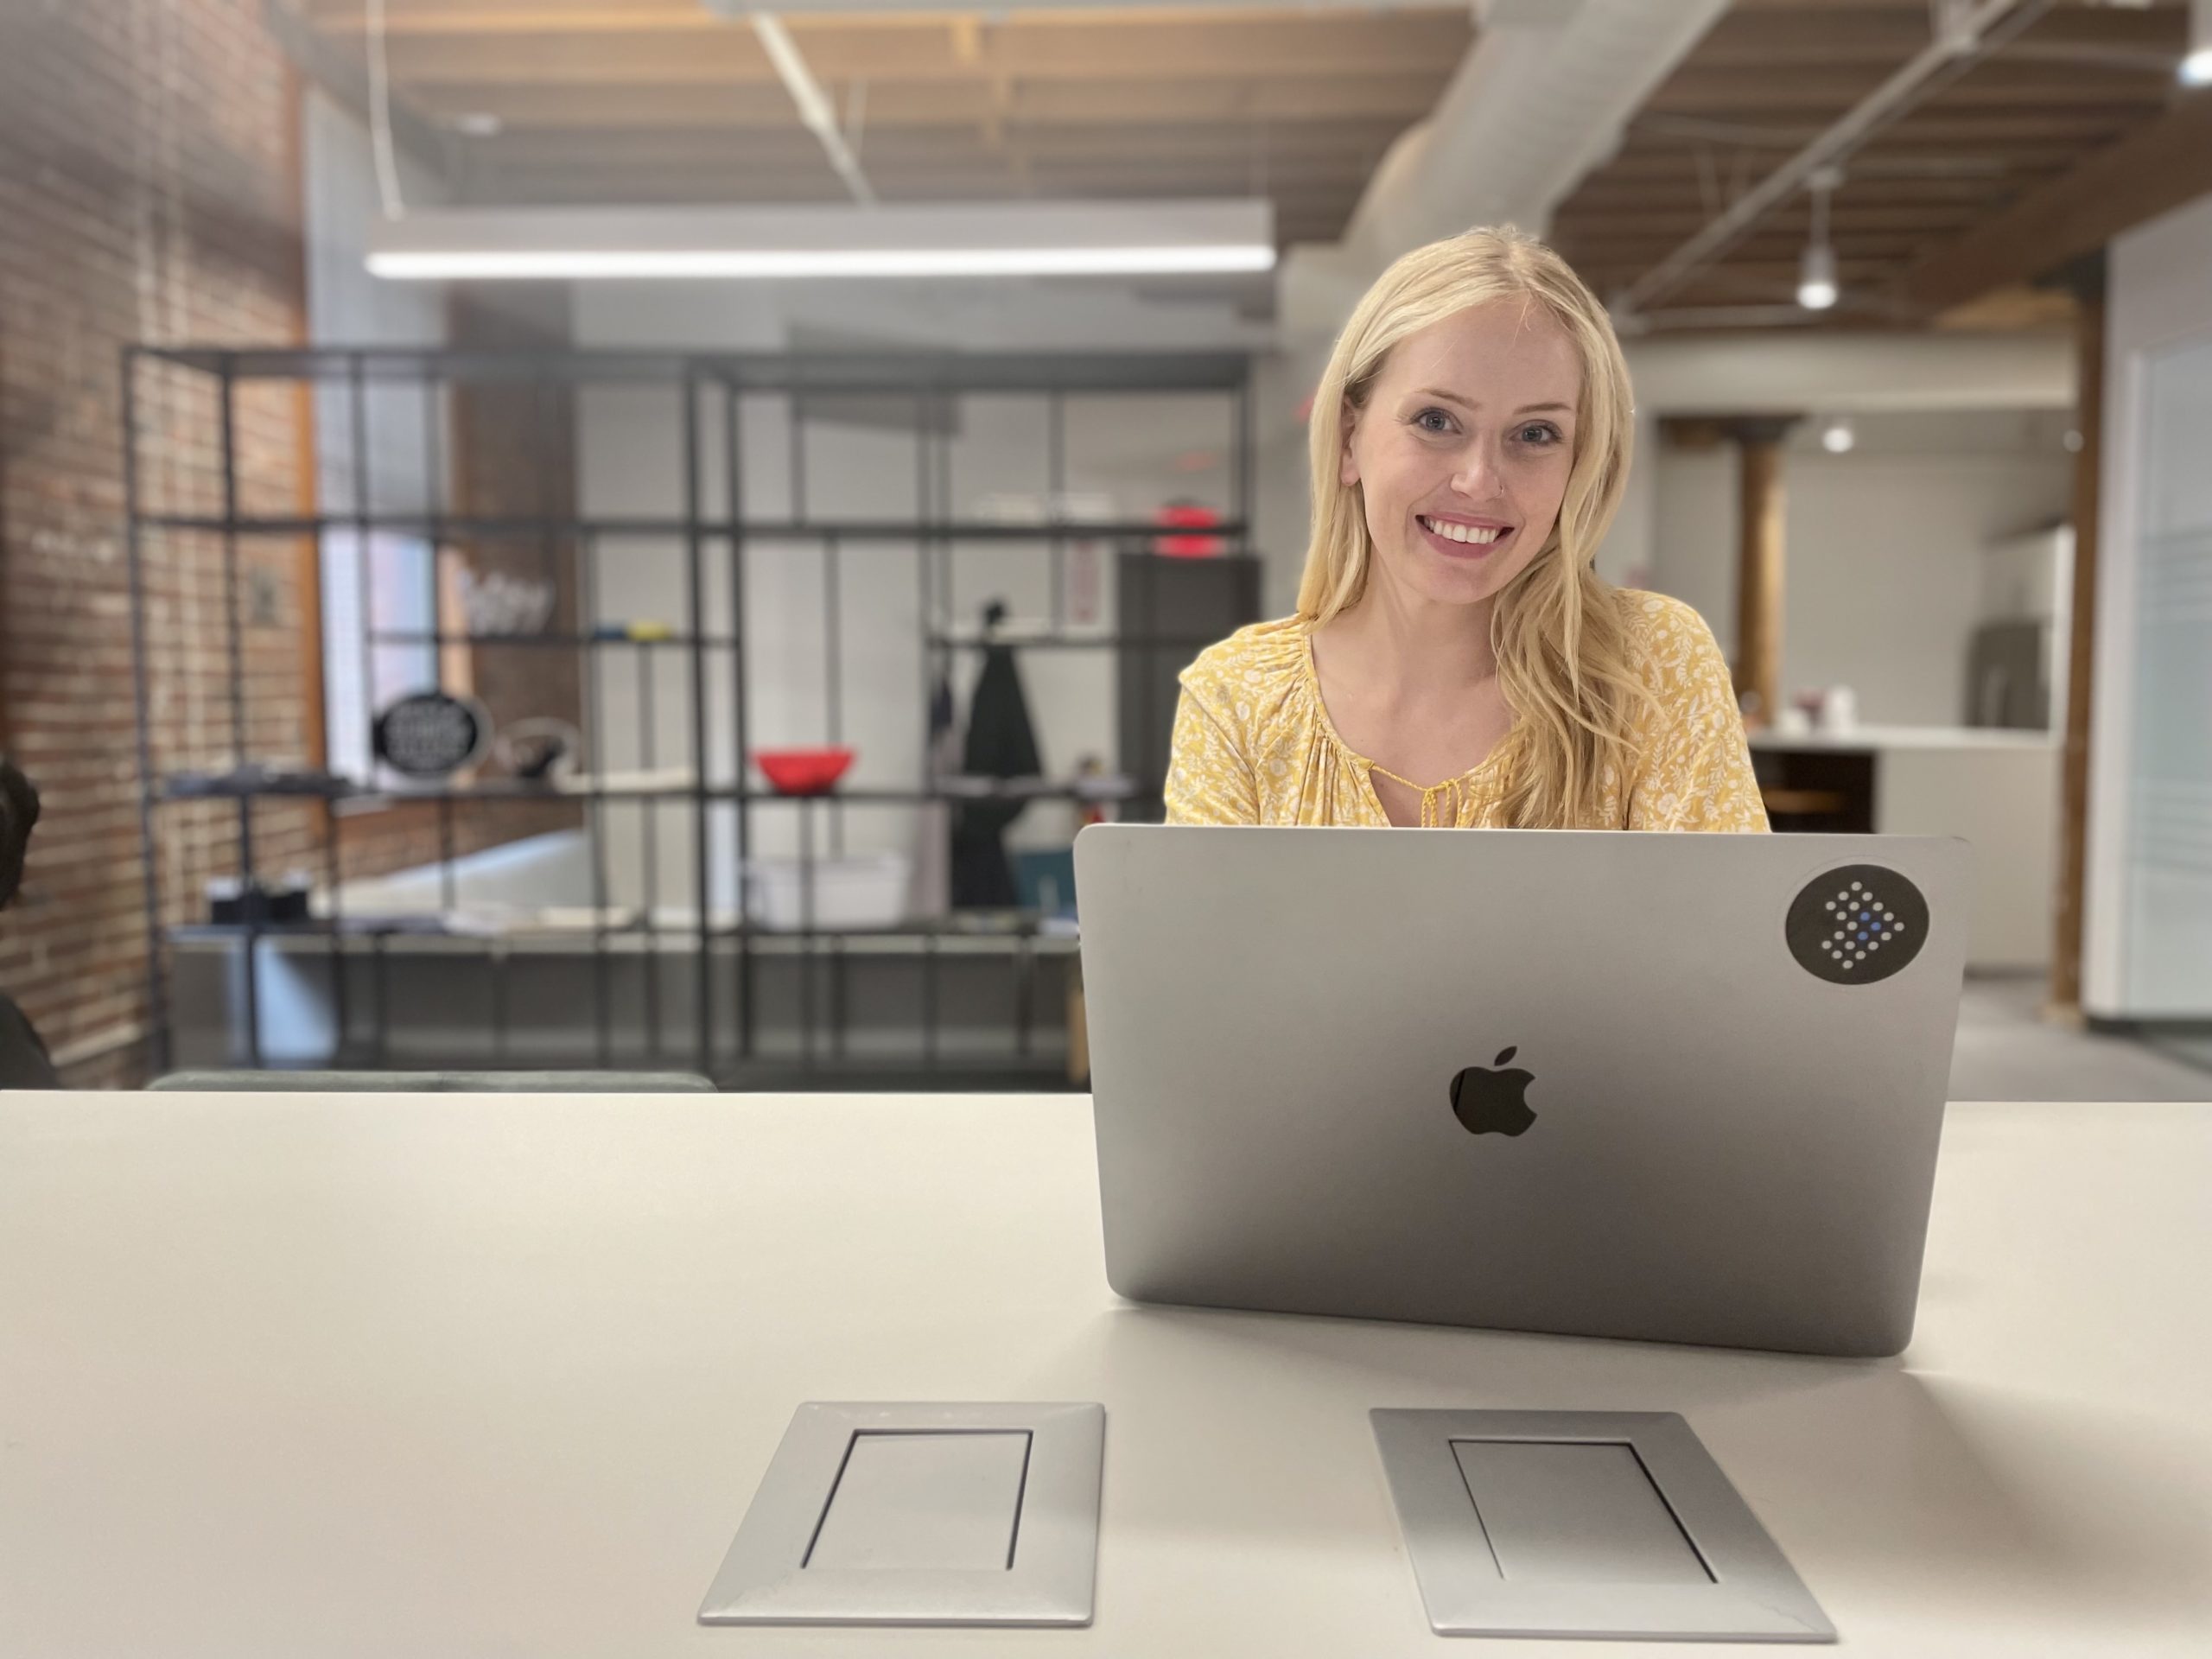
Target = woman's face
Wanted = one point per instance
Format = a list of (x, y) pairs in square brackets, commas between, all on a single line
[(1462, 449)]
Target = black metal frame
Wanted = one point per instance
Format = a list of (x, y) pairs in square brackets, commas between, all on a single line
[(929, 380)]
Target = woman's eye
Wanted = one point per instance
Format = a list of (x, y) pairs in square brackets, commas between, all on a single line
[(1433, 420), (1540, 432)]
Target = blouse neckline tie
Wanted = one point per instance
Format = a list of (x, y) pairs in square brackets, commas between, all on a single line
[(1430, 795)]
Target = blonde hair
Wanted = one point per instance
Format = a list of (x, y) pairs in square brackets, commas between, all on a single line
[(1561, 639)]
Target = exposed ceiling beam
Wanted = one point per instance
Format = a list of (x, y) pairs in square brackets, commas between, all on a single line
[(1799, 8), (590, 111), (1630, 224), (1955, 168), (1795, 92), (1940, 127), (1300, 216), (1336, 144), (1134, 104), (438, 19), (765, 162), (1164, 50), (2160, 168), (980, 179), (699, 17), (1825, 37), (1631, 253)]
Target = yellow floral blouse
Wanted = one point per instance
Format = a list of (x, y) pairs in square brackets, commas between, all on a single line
[(1254, 744)]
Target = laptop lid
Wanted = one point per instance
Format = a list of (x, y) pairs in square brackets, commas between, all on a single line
[(1677, 1087)]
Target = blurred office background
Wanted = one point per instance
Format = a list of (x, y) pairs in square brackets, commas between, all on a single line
[(419, 514)]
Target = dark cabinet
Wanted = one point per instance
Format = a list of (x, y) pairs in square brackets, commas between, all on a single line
[(1170, 610)]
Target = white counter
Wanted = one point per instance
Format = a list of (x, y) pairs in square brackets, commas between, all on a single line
[(1875, 739), (457, 1376)]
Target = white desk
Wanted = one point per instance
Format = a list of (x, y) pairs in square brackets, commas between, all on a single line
[(446, 1375)]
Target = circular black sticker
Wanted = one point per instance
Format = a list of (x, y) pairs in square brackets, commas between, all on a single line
[(430, 735), (1856, 924)]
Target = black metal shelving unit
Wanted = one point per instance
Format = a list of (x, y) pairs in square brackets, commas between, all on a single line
[(726, 1033)]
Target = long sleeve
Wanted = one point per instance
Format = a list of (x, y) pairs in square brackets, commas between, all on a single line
[(1696, 766), (1209, 780)]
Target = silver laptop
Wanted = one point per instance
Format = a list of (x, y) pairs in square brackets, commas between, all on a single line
[(1678, 1087)]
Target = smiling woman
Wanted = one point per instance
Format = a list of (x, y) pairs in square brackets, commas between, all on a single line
[(1470, 442)]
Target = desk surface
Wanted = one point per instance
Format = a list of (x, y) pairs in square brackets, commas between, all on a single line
[(377, 1374)]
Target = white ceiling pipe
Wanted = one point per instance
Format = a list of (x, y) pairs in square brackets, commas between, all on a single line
[(814, 110), (1541, 98), (1862, 373)]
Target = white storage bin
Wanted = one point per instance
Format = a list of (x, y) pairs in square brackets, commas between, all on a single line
[(869, 892)]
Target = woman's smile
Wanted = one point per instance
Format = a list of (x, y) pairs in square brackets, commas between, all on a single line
[(1459, 536)]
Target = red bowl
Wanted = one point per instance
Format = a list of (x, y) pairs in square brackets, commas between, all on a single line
[(802, 771)]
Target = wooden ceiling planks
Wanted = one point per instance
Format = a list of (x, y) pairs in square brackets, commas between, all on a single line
[(564, 102), (557, 102), (2080, 81)]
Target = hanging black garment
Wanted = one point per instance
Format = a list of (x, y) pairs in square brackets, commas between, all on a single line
[(1000, 743)]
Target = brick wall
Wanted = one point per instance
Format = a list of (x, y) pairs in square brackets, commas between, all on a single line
[(150, 192)]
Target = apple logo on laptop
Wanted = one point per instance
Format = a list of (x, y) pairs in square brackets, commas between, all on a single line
[(1491, 1102)]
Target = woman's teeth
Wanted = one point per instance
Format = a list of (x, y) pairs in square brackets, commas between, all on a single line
[(1461, 533)]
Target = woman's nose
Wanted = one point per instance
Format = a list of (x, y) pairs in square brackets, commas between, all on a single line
[(1477, 472)]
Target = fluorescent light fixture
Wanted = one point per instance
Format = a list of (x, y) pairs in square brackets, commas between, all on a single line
[(1020, 238), (1837, 436), (1816, 286), (490, 264)]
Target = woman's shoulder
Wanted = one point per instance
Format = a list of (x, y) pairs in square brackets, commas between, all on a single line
[(1252, 660), (1667, 640), (1253, 683)]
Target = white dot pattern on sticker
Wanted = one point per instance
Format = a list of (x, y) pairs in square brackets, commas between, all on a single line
[(1859, 921)]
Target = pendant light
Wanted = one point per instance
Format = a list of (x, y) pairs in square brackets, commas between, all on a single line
[(2196, 67), (1817, 288)]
